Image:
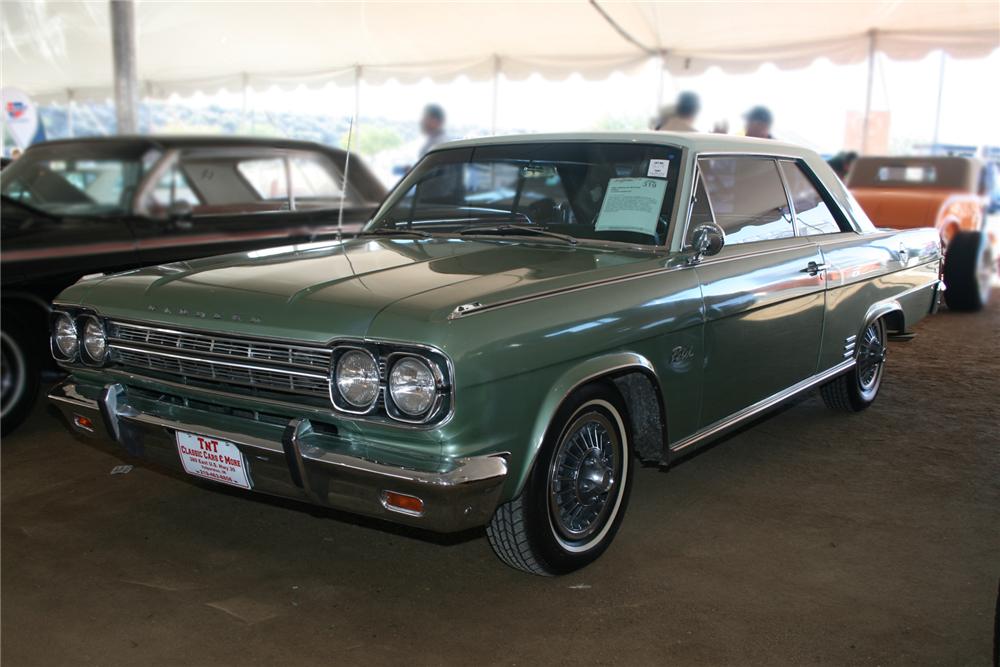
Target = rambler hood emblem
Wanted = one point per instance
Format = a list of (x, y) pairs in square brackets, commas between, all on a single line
[(203, 315)]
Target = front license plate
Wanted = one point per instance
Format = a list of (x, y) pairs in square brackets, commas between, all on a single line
[(214, 459)]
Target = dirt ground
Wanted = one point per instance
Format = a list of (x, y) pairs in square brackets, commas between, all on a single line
[(810, 537)]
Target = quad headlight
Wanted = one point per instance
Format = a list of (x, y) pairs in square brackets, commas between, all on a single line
[(412, 386), (95, 340), (357, 378), (65, 338), (391, 383)]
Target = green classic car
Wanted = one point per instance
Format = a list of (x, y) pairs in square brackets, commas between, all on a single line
[(524, 320)]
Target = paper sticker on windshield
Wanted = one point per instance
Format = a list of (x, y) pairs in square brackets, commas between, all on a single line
[(658, 168), (631, 205)]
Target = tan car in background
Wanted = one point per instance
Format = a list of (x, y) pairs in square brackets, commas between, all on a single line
[(947, 193)]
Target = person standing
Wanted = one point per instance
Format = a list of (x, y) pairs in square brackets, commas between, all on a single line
[(681, 116), (841, 163), (432, 127), (758, 122)]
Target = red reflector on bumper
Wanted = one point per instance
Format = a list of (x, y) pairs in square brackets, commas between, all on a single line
[(83, 422)]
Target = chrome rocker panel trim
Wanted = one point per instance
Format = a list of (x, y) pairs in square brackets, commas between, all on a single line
[(301, 463), (732, 421)]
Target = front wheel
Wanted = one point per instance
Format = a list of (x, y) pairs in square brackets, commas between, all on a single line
[(575, 498), (856, 390), (19, 372)]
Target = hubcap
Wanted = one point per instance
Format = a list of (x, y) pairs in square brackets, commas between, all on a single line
[(585, 474), (871, 359), (984, 273)]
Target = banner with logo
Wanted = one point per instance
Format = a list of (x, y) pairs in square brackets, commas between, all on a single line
[(20, 117)]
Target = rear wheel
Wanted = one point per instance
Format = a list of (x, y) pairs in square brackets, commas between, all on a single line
[(18, 372), (969, 267), (575, 497), (856, 390)]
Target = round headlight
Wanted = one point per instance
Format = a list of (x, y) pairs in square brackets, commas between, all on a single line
[(357, 378), (412, 386), (64, 336), (95, 341)]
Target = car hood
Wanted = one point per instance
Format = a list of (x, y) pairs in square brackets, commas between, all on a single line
[(318, 292)]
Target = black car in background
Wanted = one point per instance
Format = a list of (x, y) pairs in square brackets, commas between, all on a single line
[(100, 205)]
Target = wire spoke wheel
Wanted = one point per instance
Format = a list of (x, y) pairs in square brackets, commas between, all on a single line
[(871, 359), (585, 475)]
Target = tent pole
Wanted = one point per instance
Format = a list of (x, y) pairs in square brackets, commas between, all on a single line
[(937, 115), (123, 52), (69, 112), (661, 70), (868, 94), (246, 100), (356, 123), (496, 94)]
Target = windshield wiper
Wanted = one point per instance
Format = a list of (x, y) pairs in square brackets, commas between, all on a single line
[(385, 231), (7, 199), (500, 230)]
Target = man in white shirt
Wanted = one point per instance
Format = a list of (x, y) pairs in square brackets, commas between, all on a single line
[(432, 127)]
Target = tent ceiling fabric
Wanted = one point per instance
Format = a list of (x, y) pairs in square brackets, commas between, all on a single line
[(50, 48)]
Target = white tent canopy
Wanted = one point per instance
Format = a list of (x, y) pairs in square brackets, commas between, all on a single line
[(60, 50)]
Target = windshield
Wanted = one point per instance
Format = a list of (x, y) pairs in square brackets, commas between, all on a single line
[(83, 180), (588, 191)]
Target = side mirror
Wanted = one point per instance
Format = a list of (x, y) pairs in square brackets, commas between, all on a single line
[(707, 239), (180, 210), (179, 214)]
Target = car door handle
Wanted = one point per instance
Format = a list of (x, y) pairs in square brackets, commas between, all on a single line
[(812, 268)]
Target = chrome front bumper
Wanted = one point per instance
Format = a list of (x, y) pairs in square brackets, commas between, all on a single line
[(297, 462)]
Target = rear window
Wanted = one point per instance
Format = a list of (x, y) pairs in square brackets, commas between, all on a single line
[(907, 174)]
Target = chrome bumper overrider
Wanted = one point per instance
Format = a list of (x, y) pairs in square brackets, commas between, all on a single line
[(297, 461)]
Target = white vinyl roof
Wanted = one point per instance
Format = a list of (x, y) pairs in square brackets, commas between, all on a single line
[(51, 48)]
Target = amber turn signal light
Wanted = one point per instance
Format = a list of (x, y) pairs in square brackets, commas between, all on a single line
[(400, 502), (83, 423)]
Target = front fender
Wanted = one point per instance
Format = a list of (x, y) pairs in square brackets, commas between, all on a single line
[(572, 378)]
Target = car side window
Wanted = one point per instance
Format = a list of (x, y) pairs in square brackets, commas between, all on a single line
[(811, 212), (267, 176), (748, 198), (172, 188), (211, 183)]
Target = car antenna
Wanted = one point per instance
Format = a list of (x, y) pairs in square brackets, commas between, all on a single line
[(343, 188)]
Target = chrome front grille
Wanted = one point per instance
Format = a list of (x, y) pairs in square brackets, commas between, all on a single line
[(218, 359)]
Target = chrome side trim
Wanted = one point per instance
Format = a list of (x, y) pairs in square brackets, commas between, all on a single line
[(562, 290), (735, 419), (849, 344)]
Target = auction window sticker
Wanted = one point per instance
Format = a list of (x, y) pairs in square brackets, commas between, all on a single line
[(632, 205), (658, 168)]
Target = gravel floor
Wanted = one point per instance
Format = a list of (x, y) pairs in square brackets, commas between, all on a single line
[(810, 537)]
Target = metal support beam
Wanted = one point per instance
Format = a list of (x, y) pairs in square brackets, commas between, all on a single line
[(496, 95), (868, 94), (125, 70), (940, 98)]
